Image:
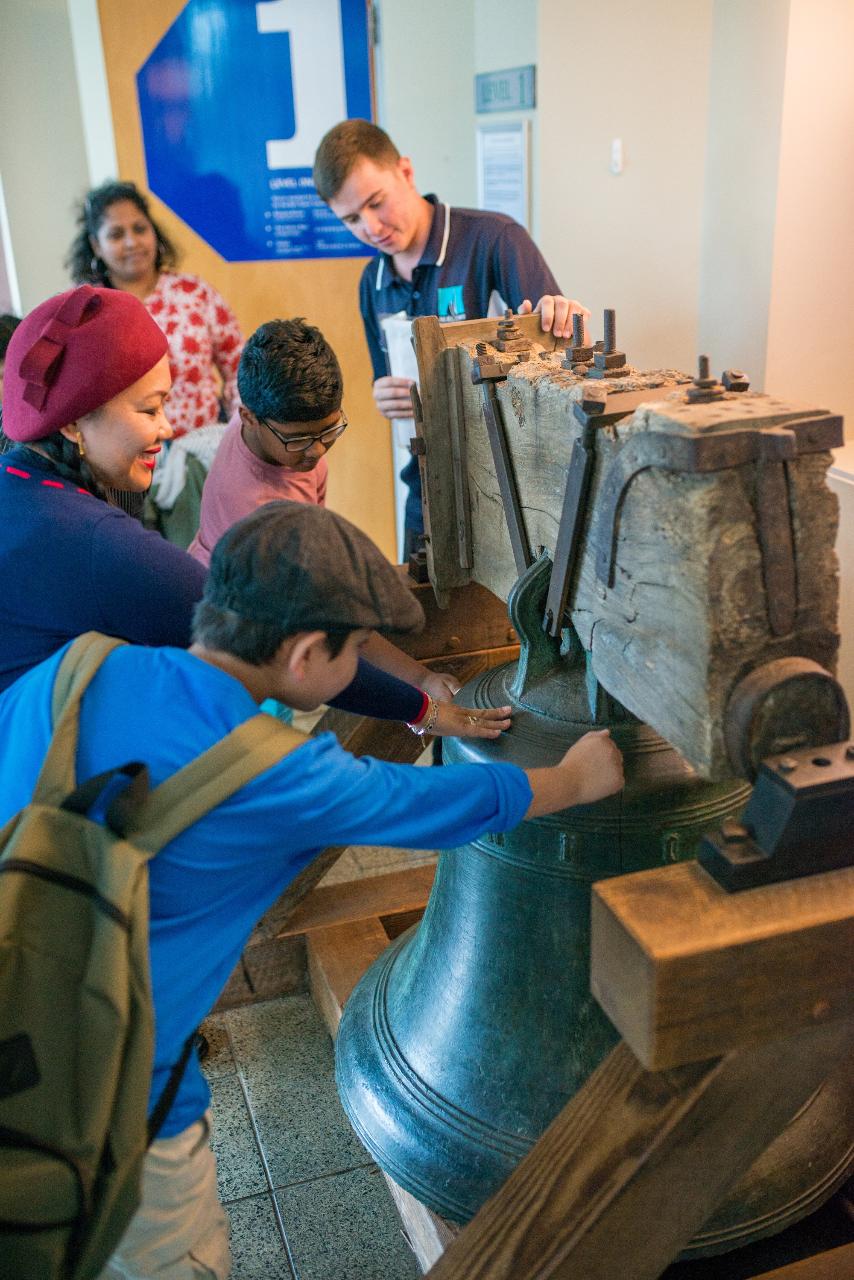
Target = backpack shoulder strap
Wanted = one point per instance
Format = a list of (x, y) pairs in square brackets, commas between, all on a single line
[(214, 776), (79, 666)]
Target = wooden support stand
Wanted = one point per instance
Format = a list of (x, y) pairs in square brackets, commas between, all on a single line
[(640, 1158), (634, 1136)]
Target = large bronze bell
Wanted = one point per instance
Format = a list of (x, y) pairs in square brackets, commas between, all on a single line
[(470, 1033)]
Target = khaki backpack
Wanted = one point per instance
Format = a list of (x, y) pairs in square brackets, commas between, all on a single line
[(76, 1018)]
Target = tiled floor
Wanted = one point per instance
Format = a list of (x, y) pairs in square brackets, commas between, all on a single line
[(304, 1199)]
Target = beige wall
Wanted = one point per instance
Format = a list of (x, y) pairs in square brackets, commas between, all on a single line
[(639, 72), (425, 96), (505, 35), (811, 312), (748, 67), (42, 155)]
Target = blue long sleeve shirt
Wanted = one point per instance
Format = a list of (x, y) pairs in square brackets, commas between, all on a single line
[(70, 563), (211, 884)]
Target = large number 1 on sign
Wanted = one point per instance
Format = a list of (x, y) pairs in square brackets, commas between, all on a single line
[(317, 74)]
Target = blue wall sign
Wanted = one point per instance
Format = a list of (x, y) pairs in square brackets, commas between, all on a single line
[(234, 100), (511, 90)]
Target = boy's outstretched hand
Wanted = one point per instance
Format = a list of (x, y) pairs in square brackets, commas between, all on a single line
[(591, 770)]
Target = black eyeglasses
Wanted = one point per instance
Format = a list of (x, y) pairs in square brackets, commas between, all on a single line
[(299, 444)]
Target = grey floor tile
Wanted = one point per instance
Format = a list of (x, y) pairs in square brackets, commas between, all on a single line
[(256, 1245), (219, 1060), (284, 1055), (239, 1171), (346, 1228)]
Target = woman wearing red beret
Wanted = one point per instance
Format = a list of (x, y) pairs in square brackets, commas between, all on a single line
[(84, 397)]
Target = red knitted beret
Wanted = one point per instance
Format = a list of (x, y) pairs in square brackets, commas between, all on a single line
[(72, 354)]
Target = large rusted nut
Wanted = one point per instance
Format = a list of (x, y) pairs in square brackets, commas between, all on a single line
[(779, 707), (513, 344), (593, 398), (735, 380), (487, 369), (609, 359)]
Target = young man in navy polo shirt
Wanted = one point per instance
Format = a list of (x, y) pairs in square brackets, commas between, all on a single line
[(456, 264)]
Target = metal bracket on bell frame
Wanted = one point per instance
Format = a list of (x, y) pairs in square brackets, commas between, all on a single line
[(770, 448), (575, 498), (486, 372)]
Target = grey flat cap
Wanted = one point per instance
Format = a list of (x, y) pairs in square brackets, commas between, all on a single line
[(304, 568)]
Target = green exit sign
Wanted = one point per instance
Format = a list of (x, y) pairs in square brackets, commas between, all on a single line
[(511, 90)]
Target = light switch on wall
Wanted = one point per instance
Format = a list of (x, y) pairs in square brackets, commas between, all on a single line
[(616, 155)]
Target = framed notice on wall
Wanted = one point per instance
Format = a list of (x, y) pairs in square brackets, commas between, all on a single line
[(503, 169), (233, 102)]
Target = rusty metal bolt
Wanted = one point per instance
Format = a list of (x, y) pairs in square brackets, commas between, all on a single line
[(704, 387), (735, 380), (610, 330), (577, 329)]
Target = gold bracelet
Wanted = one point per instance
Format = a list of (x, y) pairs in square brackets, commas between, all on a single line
[(428, 721)]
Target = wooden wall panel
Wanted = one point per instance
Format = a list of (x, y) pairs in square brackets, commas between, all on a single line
[(323, 291)]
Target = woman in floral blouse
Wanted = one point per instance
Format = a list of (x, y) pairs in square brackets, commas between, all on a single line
[(119, 245)]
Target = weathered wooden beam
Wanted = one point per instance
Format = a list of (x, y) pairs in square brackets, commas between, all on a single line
[(474, 619), (373, 896), (699, 588), (427, 1234), (835, 1264), (687, 971), (337, 957), (638, 1161), (445, 506)]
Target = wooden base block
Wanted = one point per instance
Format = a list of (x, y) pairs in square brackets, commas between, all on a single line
[(428, 1234), (347, 926), (337, 958)]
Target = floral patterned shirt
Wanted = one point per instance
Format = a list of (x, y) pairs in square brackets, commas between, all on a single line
[(203, 336)]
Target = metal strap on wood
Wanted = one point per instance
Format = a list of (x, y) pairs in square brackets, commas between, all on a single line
[(486, 373), (769, 448)]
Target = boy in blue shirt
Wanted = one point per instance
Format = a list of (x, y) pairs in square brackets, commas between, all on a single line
[(292, 594)]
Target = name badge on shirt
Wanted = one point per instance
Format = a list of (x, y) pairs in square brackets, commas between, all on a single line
[(451, 305)]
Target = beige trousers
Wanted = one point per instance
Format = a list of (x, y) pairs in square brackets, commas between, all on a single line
[(180, 1230)]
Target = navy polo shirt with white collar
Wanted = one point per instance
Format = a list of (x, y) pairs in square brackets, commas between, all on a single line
[(472, 257)]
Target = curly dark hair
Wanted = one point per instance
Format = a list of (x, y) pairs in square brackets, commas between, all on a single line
[(84, 266)]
